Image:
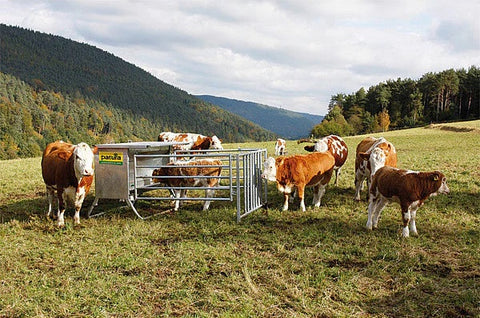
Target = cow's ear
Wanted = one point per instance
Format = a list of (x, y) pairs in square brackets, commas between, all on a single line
[(309, 148), (435, 177), (364, 155)]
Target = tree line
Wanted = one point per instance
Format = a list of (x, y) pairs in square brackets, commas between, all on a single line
[(31, 118), (403, 103)]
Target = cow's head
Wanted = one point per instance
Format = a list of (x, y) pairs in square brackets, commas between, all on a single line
[(376, 158), (269, 169), (441, 182), (83, 160), (216, 143)]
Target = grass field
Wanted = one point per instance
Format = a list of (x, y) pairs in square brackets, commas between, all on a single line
[(320, 263)]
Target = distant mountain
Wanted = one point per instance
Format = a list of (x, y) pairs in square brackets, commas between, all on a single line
[(88, 76), (285, 123)]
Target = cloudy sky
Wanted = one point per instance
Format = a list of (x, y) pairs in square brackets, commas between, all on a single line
[(293, 54)]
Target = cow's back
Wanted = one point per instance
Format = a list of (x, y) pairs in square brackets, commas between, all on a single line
[(338, 148), (57, 164), (307, 167)]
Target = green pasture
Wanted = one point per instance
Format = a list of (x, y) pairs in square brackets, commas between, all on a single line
[(318, 263)]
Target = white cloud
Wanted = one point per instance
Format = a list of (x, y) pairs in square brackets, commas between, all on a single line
[(294, 54)]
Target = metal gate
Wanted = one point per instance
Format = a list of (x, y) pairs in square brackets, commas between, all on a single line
[(240, 179)]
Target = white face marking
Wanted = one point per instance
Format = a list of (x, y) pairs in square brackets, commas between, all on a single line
[(83, 163), (444, 188), (269, 169), (216, 143)]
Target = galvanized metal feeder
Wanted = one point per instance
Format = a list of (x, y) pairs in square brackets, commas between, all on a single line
[(123, 171)]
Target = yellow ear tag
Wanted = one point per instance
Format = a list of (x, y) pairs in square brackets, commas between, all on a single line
[(435, 178)]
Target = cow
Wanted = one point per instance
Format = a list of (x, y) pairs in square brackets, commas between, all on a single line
[(299, 171), (196, 173), (195, 141), (371, 154), (409, 188), (67, 170), (280, 146), (336, 146)]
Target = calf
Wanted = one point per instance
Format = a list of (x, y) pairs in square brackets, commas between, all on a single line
[(372, 154), (299, 171), (195, 141), (68, 170), (195, 173), (336, 146), (409, 188), (280, 146)]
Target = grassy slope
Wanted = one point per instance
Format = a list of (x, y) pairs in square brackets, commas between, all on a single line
[(322, 262)]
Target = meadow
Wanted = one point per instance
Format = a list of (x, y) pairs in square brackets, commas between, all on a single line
[(318, 263)]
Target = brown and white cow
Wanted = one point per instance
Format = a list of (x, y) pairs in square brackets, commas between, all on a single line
[(280, 146), (67, 170), (298, 171), (372, 154), (336, 146), (195, 141), (409, 188), (196, 173)]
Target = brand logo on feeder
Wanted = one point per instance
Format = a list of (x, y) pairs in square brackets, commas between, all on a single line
[(113, 158)]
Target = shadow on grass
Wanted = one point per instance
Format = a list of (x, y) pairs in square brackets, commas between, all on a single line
[(438, 297), (37, 207)]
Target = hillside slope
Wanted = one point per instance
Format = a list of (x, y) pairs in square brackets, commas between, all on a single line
[(81, 71), (288, 124)]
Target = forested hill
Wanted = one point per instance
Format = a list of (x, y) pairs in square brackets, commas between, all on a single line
[(83, 73), (288, 124)]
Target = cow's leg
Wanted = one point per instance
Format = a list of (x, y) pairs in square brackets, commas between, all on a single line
[(382, 201), (178, 194), (337, 173), (285, 203), (61, 207), (320, 191), (292, 196), (371, 208), (209, 194), (301, 194), (413, 213), (406, 219), (359, 178), (79, 197), (50, 196)]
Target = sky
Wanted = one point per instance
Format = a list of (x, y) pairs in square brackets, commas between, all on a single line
[(292, 54)]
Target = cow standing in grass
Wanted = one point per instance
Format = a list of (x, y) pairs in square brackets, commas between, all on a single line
[(409, 188), (67, 170), (190, 173), (299, 171), (280, 146)]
